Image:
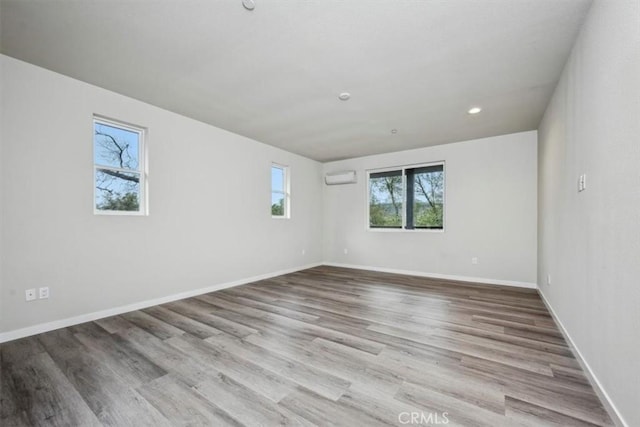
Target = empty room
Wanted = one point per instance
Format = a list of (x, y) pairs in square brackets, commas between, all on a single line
[(319, 212)]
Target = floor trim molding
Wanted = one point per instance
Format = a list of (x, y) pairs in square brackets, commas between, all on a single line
[(611, 408), (88, 317), (514, 283)]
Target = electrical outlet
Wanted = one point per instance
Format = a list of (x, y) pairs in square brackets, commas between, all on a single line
[(346, 251), (474, 260), (548, 280), (43, 293), (30, 294), (304, 251)]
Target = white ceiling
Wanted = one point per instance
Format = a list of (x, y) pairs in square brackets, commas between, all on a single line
[(274, 74)]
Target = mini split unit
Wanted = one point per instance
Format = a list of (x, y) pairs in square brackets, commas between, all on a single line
[(337, 178)]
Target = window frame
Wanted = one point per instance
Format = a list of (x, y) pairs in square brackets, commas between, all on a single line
[(286, 184), (403, 228), (143, 209)]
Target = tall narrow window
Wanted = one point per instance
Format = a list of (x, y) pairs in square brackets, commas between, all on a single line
[(119, 170), (408, 197), (279, 191), (386, 199), (425, 195)]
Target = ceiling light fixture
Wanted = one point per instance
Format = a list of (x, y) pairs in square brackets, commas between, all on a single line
[(249, 4), (394, 131), (344, 96), (474, 110)]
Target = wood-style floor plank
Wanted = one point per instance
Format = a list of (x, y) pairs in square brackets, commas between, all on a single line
[(321, 382), (44, 396), (98, 382), (183, 405), (324, 346), (245, 405), (243, 371)]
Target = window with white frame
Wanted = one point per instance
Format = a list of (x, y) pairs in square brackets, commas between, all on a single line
[(410, 197), (119, 168), (279, 191)]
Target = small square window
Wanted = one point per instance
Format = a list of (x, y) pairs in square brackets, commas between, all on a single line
[(119, 168), (280, 198)]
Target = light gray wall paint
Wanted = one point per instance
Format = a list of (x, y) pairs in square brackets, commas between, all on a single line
[(490, 213), (3, 106), (209, 222), (589, 242)]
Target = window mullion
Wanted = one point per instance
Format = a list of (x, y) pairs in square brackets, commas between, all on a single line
[(111, 168), (409, 197), (404, 199)]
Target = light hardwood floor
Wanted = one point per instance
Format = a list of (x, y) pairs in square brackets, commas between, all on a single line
[(324, 346)]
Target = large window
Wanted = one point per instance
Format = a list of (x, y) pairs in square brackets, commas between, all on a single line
[(279, 191), (408, 198), (119, 169)]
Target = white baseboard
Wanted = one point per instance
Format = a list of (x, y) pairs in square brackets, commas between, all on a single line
[(57, 324), (527, 285), (613, 412), (88, 317)]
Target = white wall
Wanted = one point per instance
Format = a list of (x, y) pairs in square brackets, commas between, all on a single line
[(209, 221), (589, 242), (2, 108), (490, 213)]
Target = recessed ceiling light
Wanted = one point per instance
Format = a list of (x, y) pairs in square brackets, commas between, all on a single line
[(344, 96), (249, 4), (394, 131), (474, 110)]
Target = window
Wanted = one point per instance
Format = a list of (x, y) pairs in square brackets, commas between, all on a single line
[(119, 168), (407, 198), (386, 197), (279, 191)]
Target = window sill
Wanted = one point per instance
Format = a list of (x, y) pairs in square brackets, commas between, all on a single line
[(119, 213), (404, 230)]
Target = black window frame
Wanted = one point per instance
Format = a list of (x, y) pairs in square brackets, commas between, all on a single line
[(407, 173)]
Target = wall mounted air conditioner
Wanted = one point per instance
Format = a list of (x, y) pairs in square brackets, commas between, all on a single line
[(337, 178)]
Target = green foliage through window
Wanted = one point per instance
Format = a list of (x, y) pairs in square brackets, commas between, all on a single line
[(277, 209), (412, 198), (125, 202), (279, 191), (386, 197)]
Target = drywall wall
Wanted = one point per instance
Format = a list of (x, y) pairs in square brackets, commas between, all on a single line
[(209, 202), (589, 242), (2, 107), (490, 213)]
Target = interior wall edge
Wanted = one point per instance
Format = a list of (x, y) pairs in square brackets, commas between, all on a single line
[(611, 408), (481, 280)]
